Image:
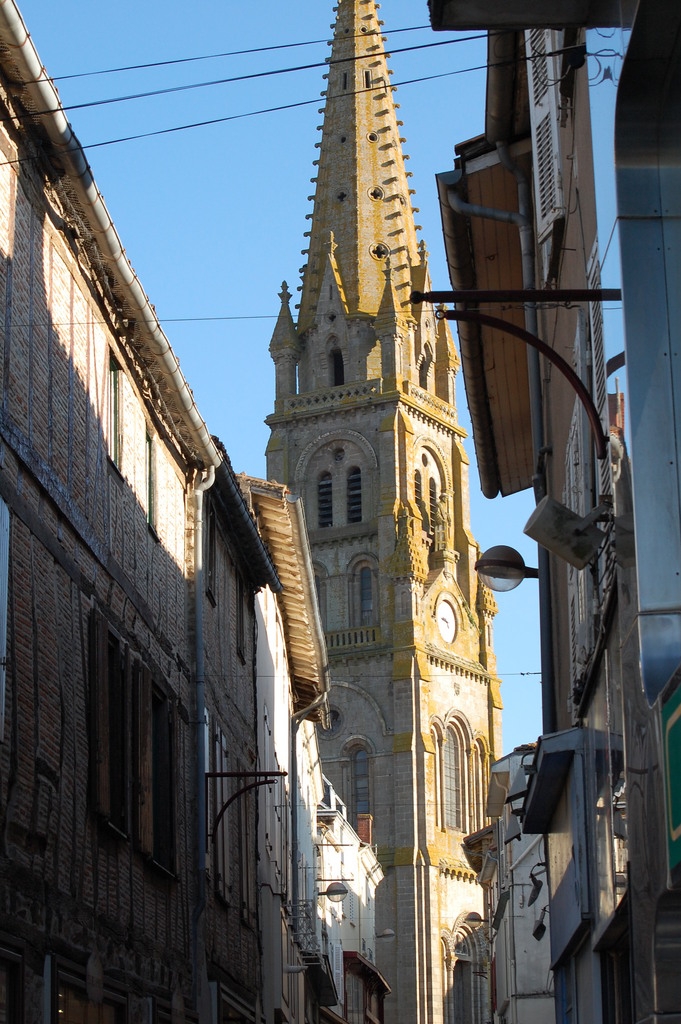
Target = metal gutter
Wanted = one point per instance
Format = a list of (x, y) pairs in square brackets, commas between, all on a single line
[(49, 114)]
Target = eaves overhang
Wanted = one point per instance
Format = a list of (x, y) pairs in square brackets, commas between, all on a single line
[(281, 522), (483, 252), (509, 14), (368, 970), (554, 756)]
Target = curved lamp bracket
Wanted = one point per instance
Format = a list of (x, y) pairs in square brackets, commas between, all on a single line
[(473, 316)]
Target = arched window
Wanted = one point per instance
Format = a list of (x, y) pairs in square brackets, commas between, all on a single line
[(432, 501), (462, 987), (453, 781), (360, 782), (418, 488), (424, 368), (324, 500), (363, 596), (354, 495), (366, 595), (438, 776), (337, 368)]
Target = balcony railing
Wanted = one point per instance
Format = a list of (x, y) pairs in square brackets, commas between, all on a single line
[(328, 398), (304, 919)]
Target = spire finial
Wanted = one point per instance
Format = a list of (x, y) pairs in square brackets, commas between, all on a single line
[(284, 294)]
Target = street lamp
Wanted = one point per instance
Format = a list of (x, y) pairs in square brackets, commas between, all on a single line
[(502, 568)]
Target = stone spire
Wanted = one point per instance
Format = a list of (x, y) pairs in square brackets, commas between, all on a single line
[(362, 192), (285, 347)]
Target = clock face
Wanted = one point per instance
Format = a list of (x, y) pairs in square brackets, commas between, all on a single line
[(446, 621)]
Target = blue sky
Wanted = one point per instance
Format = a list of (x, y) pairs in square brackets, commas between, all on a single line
[(212, 217)]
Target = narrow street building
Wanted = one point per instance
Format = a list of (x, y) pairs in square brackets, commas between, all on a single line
[(127, 620)]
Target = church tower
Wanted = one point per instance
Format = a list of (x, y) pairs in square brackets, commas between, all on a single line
[(365, 429)]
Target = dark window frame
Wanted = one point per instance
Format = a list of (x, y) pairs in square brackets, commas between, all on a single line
[(110, 687)]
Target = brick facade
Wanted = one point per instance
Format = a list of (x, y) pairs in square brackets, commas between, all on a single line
[(103, 896)]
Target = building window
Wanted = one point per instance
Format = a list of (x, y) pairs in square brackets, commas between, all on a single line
[(74, 1006), (438, 776), (432, 502), (10, 987), (366, 596), (325, 500), (337, 368), (367, 79), (360, 782), (355, 495), (424, 369), (150, 483), (220, 858), (210, 542), (154, 770), (4, 578), (114, 412), (109, 731), (453, 791), (418, 488), (240, 617), (362, 594), (245, 811)]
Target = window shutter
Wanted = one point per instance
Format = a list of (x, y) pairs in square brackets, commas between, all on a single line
[(143, 812), (339, 973), (99, 714), (543, 75), (4, 576)]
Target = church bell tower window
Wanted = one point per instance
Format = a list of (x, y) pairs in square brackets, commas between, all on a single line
[(355, 495), (325, 500), (337, 368)]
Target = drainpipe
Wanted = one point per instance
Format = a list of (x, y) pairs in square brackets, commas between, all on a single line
[(523, 221), (201, 485), (549, 723)]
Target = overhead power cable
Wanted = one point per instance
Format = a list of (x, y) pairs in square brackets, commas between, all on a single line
[(265, 110), (230, 53), (224, 81)]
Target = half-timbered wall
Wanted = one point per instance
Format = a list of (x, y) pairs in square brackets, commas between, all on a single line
[(98, 772)]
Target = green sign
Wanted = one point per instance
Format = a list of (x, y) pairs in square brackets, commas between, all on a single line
[(671, 748)]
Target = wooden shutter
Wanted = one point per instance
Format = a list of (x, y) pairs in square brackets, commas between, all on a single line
[(4, 577), (543, 75), (339, 973), (99, 714), (142, 754)]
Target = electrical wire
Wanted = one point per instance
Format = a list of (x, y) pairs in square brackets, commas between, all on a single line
[(251, 76), (232, 53), (265, 110)]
